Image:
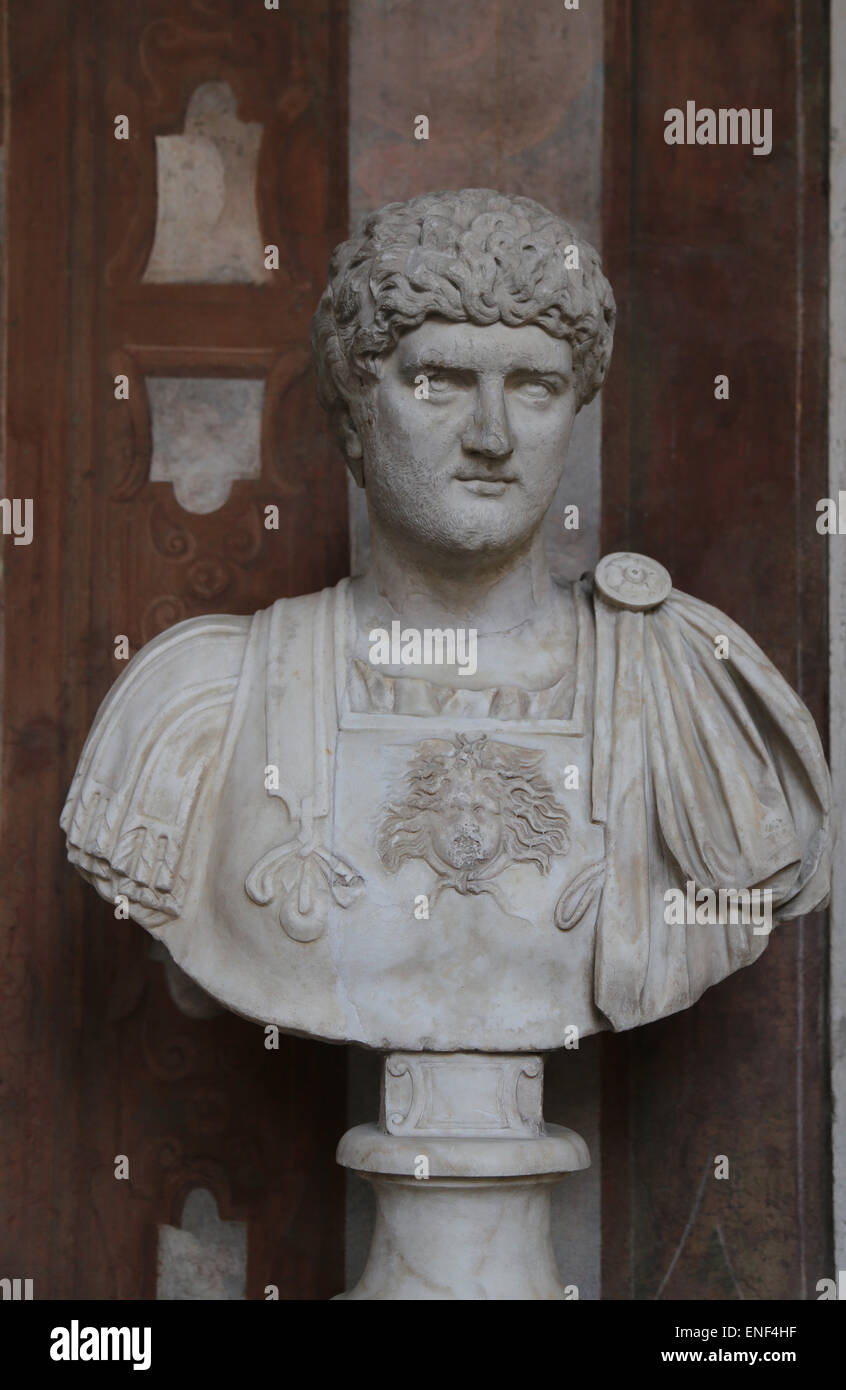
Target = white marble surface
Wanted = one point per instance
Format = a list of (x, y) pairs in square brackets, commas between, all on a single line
[(463, 1185)]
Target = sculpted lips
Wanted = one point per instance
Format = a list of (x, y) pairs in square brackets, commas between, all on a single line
[(483, 485)]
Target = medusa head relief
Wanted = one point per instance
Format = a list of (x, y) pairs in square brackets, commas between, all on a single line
[(472, 807)]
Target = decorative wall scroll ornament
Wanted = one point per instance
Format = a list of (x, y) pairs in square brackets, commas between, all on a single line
[(303, 875), (196, 31), (178, 539), (208, 558), (209, 579), (473, 807), (161, 613), (171, 533)]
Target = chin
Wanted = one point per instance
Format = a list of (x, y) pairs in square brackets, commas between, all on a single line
[(489, 529), (483, 540)]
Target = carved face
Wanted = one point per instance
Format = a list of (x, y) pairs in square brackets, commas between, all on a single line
[(469, 808), (474, 466), (467, 829)]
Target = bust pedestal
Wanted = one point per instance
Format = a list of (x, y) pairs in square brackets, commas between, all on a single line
[(463, 1167)]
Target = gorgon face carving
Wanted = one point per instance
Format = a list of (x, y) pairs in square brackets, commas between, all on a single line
[(472, 807)]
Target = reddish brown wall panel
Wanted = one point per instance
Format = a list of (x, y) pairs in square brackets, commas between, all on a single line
[(96, 1058), (718, 260)]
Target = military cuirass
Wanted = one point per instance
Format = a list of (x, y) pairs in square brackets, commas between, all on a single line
[(384, 860)]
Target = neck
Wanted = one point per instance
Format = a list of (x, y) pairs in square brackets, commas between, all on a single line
[(492, 594)]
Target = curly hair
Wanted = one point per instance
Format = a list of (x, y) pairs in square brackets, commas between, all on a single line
[(472, 256)]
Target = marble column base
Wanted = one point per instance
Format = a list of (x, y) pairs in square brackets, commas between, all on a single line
[(463, 1166)]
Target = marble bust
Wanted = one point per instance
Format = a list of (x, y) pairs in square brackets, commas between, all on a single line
[(273, 805), (437, 857)]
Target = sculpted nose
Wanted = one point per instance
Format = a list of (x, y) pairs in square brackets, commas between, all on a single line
[(488, 432)]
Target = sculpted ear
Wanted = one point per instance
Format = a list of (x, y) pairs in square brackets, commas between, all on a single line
[(352, 446)]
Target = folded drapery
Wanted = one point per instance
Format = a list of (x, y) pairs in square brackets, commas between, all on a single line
[(707, 770)]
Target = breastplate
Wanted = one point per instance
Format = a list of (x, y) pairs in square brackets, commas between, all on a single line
[(456, 862), (474, 838)]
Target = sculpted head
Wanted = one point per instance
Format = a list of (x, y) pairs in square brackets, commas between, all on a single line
[(456, 339)]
